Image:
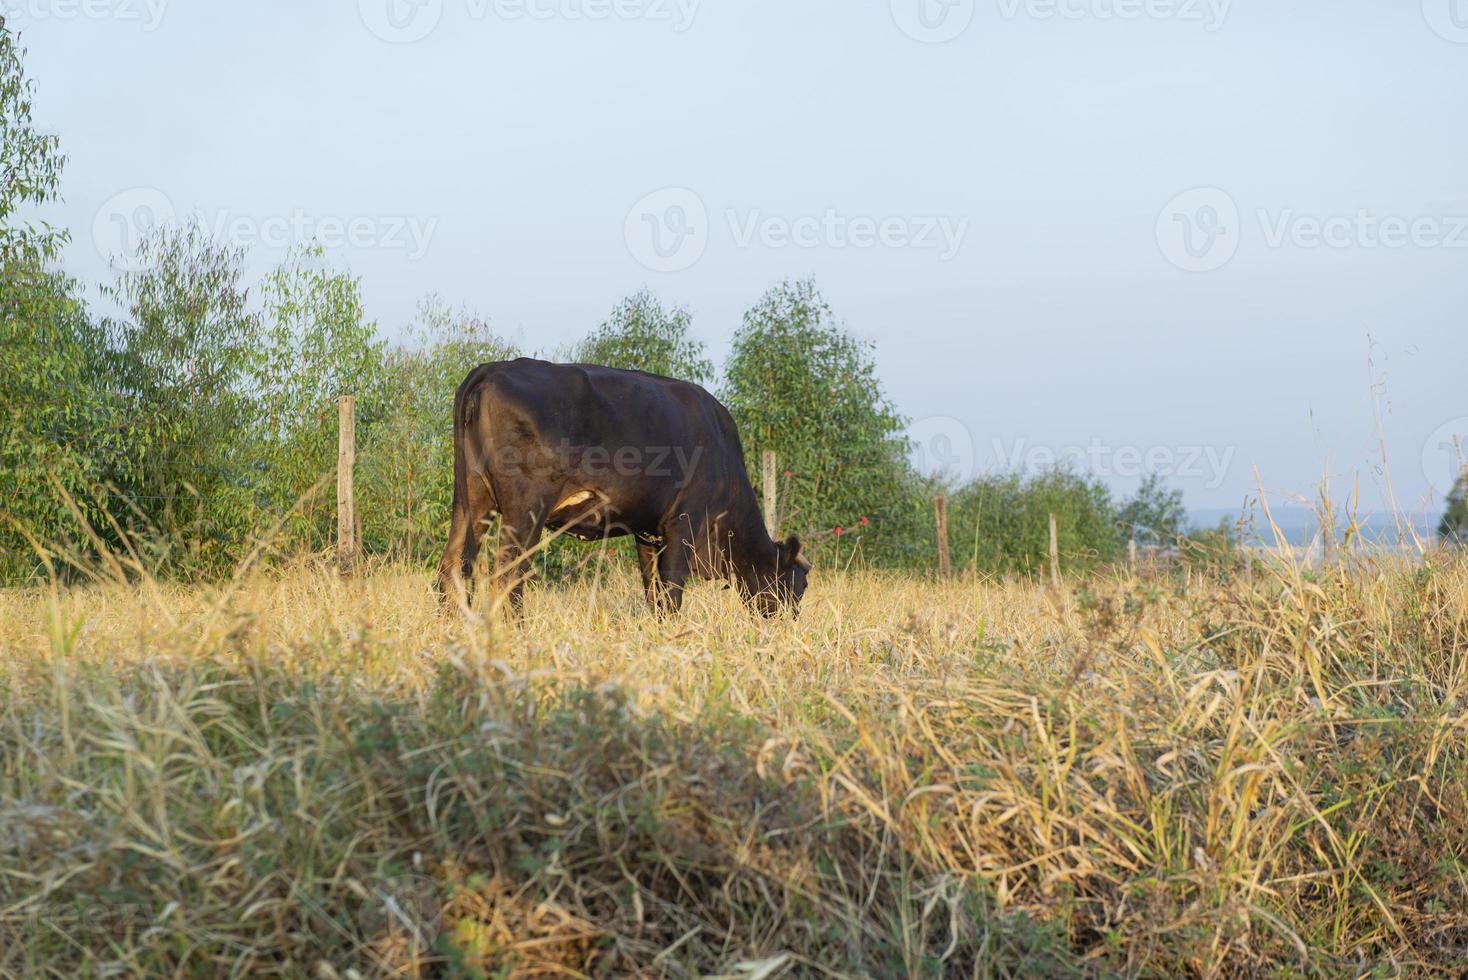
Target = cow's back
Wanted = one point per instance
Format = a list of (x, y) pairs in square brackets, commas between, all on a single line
[(589, 404), (657, 421)]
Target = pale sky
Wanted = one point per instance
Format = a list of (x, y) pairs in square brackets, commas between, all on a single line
[(1208, 235)]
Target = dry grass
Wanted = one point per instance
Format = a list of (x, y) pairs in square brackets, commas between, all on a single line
[(301, 776)]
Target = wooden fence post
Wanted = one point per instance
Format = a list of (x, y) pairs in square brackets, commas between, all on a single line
[(771, 523), (1131, 554), (346, 504), (1054, 553), (940, 512)]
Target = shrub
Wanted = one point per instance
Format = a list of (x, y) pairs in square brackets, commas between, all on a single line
[(640, 335), (1002, 523), (406, 451), (798, 383)]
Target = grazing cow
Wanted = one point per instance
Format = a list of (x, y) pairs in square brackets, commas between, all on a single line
[(597, 453)]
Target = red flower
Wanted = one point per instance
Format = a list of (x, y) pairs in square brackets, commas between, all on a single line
[(840, 531), (611, 553), (865, 522), (788, 474)]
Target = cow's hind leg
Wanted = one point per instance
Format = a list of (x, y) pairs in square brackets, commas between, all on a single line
[(471, 516), (647, 564), (453, 568), (520, 531)]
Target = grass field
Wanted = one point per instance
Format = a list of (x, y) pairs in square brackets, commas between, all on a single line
[(302, 776)]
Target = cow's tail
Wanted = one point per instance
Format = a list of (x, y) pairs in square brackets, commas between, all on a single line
[(468, 405), (466, 409)]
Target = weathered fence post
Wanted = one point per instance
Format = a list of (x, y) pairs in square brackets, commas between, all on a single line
[(346, 505), (1054, 553), (771, 523), (1131, 554), (940, 513)]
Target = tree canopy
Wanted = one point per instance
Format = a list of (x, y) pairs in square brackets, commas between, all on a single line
[(642, 335)]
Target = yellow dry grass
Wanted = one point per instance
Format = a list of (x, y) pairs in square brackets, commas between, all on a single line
[(294, 774)]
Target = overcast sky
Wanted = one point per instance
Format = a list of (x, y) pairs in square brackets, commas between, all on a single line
[(1201, 235)]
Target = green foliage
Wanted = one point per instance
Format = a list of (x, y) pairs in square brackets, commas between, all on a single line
[(799, 384), (1155, 514), (55, 408), (198, 419), (188, 349), (30, 166), (1006, 523), (59, 417), (1217, 549), (318, 345), (640, 335), (406, 449), (1453, 529)]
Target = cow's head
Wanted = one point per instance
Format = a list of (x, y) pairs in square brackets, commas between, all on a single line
[(792, 570)]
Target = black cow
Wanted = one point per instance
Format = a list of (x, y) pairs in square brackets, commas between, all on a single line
[(597, 453)]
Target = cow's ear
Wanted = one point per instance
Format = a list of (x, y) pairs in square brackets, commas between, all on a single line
[(793, 553)]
